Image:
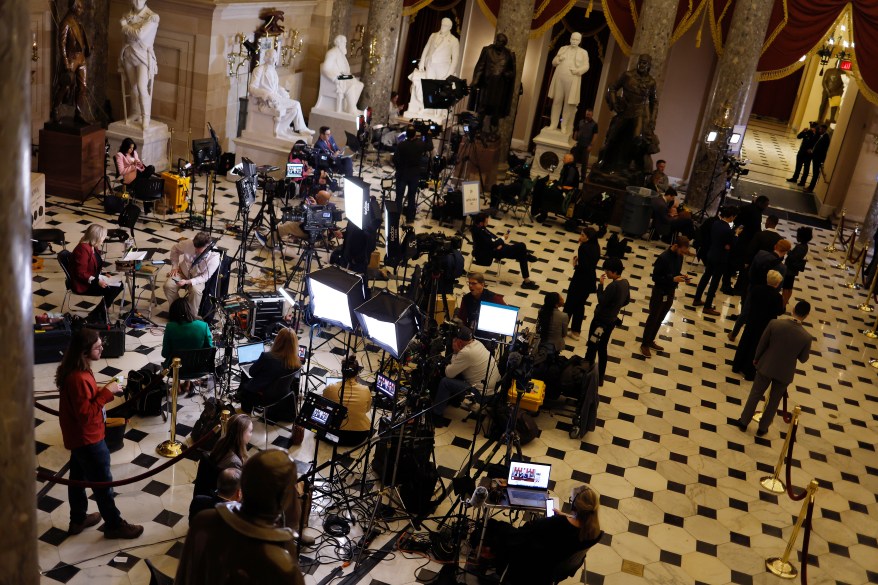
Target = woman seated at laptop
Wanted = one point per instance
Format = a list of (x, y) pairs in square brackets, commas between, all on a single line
[(184, 333), (533, 551), (356, 397), (258, 388), (131, 169)]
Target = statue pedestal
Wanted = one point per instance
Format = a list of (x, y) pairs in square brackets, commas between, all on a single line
[(152, 143), (551, 146), (72, 159), (339, 123), (38, 200), (259, 143)]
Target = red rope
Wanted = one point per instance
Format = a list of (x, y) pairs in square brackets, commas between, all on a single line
[(46, 476), (800, 495), (806, 540), (787, 416)]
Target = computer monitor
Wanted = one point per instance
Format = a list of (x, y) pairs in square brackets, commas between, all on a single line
[(385, 386), (529, 475), (497, 319)]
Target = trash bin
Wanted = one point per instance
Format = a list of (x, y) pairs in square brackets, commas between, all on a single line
[(638, 210)]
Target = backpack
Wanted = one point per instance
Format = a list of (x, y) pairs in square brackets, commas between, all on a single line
[(570, 380), (210, 417), (702, 236), (145, 391)]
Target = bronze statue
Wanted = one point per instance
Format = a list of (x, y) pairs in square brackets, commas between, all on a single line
[(247, 542), (631, 135), (494, 77), (71, 83), (833, 88)]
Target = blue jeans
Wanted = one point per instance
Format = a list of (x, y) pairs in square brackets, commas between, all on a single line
[(92, 463), (448, 389)]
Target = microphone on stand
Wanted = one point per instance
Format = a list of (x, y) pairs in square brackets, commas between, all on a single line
[(479, 497)]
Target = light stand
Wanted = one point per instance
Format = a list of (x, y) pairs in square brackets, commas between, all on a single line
[(246, 197)]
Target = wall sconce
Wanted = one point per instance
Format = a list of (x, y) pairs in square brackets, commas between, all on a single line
[(35, 55), (291, 46), (238, 55), (356, 44), (374, 58)]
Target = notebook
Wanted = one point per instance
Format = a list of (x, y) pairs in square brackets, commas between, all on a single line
[(528, 484), (247, 354)]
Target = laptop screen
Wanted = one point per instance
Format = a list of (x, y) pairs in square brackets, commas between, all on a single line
[(250, 353), (498, 319), (329, 381), (529, 475), (294, 170)]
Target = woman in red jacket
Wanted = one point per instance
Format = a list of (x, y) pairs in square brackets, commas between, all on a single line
[(85, 272), (81, 418)]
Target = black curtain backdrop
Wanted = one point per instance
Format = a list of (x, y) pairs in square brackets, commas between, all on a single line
[(595, 36), (426, 22)]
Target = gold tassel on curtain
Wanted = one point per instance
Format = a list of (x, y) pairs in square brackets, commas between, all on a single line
[(588, 10), (700, 28)]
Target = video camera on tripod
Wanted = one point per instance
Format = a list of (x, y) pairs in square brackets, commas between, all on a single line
[(735, 166), (315, 218)]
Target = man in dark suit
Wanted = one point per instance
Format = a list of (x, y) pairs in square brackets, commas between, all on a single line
[(808, 136), (749, 216), (818, 156), (783, 343), (411, 167), (667, 274), (326, 143), (487, 245)]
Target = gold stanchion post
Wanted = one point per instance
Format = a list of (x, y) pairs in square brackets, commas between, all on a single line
[(225, 415), (871, 333), (854, 284), (782, 566), (866, 307), (772, 483), (874, 363), (831, 247), (172, 447)]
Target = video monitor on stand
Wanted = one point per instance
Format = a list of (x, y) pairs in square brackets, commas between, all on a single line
[(321, 416), (495, 319)]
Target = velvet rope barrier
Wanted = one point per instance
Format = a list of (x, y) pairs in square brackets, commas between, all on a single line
[(781, 566), (839, 233), (771, 483), (806, 540), (45, 476), (794, 495)]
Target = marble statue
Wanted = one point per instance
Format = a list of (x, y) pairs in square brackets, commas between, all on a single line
[(570, 63), (416, 99), (631, 135), (441, 54), (270, 98), (494, 76), (137, 59), (339, 95), (71, 82)]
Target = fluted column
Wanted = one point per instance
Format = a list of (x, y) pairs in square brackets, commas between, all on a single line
[(514, 21), (18, 539), (340, 21), (733, 81), (653, 38), (385, 18), (870, 224)]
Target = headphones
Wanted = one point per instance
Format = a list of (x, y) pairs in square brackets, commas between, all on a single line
[(350, 368), (574, 493)]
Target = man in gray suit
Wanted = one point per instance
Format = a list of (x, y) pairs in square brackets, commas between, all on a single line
[(784, 342)]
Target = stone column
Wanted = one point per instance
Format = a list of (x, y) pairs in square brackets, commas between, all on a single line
[(340, 22), (18, 539), (385, 19), (654, 28), (733, 81), (870, 224), (514, 21)]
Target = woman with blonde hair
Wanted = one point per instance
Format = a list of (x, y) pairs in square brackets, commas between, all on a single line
[(282, 360), (85, 272), (530, 554)]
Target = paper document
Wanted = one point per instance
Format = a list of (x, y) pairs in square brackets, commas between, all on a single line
[(110, 280), (134, 255)]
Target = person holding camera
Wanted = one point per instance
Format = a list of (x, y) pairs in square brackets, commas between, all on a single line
[(327, 144), (484, 242), (468, 369), (409, 160), (606, 315), (666, 276)]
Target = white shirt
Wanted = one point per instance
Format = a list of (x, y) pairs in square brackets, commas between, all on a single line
[(471, 362), (182, 255)]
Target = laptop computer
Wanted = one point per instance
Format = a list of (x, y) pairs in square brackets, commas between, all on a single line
[(528, 484), (247, 354)]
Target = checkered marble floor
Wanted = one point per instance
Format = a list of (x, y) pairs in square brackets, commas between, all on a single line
[(681, 502), (771, 148)]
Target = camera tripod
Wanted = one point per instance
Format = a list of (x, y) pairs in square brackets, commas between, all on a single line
[(104, 182), (304, 263), (267, 211)]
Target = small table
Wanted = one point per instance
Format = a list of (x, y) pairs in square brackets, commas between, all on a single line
[(147, 270), (503, 506)]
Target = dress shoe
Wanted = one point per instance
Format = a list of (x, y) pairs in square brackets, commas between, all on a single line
[(656, 346), (793, 180), (727, 290), (644, 350), (802, 184), (711, 311), (90, 520), (732, 336), (761, 432), (529, 285), (742, 426), (574, 335), (124, 530), (697, 303)]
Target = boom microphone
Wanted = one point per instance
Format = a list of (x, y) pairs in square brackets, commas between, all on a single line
[(479, 497)]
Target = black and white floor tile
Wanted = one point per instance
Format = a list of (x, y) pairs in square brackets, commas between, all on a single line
[(681, 502)]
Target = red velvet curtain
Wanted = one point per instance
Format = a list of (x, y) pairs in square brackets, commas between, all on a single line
[(622, 16), (546, 12)]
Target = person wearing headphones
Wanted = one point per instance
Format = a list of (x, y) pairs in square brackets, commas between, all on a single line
[(531, 552), (409, 160), (192, 265), (356, 397)]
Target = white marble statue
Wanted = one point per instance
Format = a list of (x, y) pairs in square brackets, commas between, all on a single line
[(137, 59), (271, 98), (570, 63), (416, 99), (441, 55), (339, 95)]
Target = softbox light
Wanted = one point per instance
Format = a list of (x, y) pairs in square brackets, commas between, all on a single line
[(334, 294), (389, 321)]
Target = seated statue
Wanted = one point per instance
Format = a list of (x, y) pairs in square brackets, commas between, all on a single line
[(338, 95), (270, 98)]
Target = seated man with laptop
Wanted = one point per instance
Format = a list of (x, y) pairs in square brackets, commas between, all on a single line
[(469, 367), (261, 369), (530, 553)]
